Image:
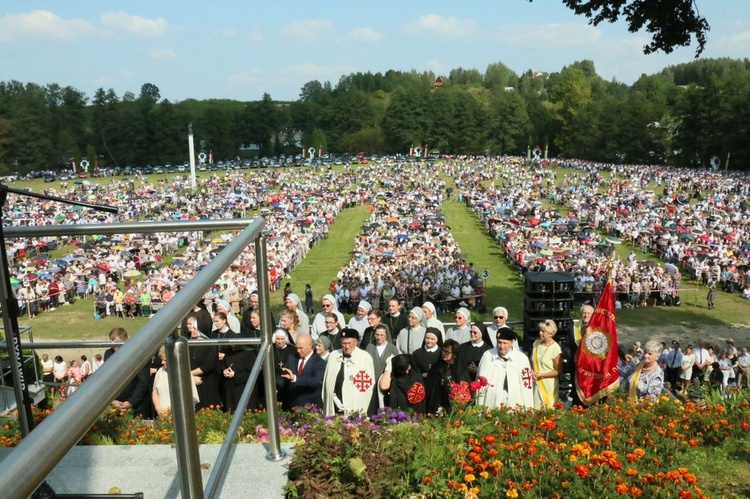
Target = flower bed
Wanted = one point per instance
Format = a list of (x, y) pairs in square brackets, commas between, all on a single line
[(605, 451), (664, 449)]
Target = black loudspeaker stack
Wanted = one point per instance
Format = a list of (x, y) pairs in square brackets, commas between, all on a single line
[(548, 295)]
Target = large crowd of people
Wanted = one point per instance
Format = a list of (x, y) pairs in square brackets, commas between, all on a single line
[(405, 270), (298, 216), (708, 238)]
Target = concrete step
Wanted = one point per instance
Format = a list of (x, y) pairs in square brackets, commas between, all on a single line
[(152, 470)]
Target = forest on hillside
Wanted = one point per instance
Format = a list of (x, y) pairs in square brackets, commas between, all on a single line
[(685, 115)]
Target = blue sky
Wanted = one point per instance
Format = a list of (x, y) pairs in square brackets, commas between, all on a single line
[(241, 49)]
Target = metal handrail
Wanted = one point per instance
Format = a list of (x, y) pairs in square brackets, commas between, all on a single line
[(68, 423), (91, 344), (221, 459)]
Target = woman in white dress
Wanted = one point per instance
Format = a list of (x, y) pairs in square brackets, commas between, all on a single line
[(688, 361)]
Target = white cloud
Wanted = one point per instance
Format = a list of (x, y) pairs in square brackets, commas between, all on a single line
[(447, 27), (163, 54), (551, 35), (250, 76), (40, 25), (367, 35), (307, 30), (436, 67), (223, 34), (320, 72), (135, 25), (735, 45), (310, 70), (254, 36)]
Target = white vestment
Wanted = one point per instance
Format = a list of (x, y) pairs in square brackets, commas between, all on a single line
[(516, 369), (359, 382)]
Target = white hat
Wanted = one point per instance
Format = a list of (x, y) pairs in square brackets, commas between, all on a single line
[(364, 306), (465, 312)]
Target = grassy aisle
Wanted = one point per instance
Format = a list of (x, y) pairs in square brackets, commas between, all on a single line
[(504, 287), (324, 260)]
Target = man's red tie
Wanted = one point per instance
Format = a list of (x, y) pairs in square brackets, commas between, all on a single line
[(301, 365)]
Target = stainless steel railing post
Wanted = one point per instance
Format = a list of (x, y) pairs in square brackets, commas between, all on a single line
[(269, 370), (183, 416)]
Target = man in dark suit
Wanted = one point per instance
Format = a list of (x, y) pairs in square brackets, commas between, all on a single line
[(305, 385)]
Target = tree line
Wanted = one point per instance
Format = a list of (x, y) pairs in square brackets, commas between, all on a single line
[(686, 115)]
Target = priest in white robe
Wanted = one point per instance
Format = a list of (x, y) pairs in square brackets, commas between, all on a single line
[(508, 373), (349, 379)]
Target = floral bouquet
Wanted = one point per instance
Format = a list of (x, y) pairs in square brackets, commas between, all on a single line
[(467, 391)]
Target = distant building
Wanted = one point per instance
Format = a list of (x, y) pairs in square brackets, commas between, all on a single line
[(439, 81)]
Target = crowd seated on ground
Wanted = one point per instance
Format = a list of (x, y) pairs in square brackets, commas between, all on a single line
[(298, 216), (405, 249), (708, 238)]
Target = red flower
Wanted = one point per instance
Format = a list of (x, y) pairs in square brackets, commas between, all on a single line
[(460, 392), (582, 470), (474, 386), (482, 380)]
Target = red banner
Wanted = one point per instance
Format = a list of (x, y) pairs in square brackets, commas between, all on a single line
[(597, 371)]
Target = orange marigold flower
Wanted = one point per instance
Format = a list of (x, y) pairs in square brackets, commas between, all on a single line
[(582, 470), (636, 491), (511, 493), (489, 439), (514, 432), (548, 424), (469, 478), (484, 474), (631, 472), (622, 488), (427, 479), (461, 487), (674, 476)]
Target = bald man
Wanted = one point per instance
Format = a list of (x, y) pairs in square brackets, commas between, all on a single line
[(304, 384)]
